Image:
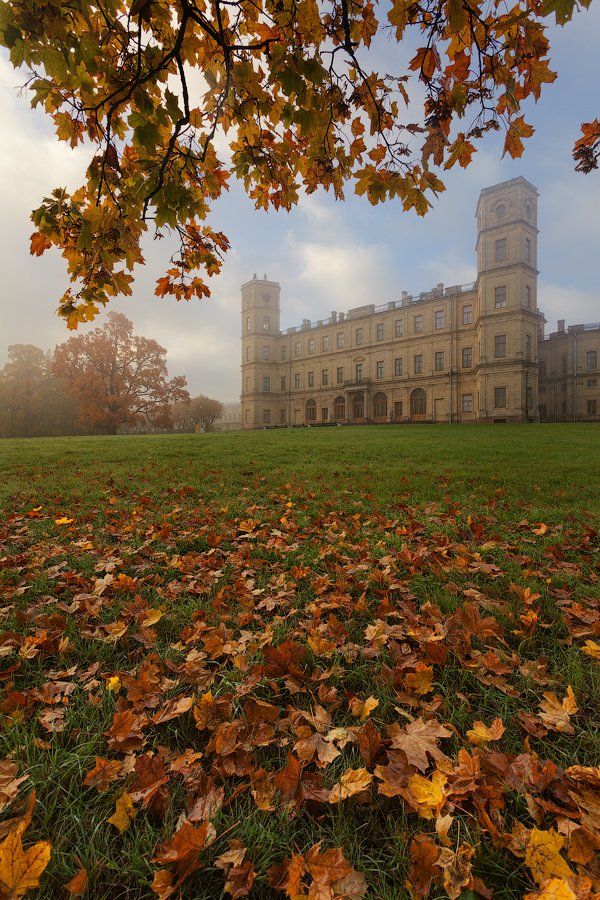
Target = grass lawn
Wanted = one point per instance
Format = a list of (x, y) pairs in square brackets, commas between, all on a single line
[(267, 653)]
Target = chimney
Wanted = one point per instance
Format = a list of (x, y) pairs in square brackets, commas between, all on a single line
[(334, 317), (561, 326)]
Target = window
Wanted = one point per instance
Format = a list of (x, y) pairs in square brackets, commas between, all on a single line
[(380, 368), (247, 384), (418, 402), (324, 414), (527, 346), (500, 297), (283, 352), (379, 405), (418, 324), (359, 337), (247, 415), (266, 299), (325, 377), (266, 323), (467, 403), (398, 366), (339, 340), (527, 249), (398, 327), (265, 352), (359, 372), (283, 383), (297, 348), (529, 399), (380, 331), (339, 375), (311, 411), (418, 361), (501, 250), (311, 345), (440, 319), (591, 360), (563, 363), (311, 379), (282, 416), (591, 382), (247, 354), (592, 407), (500, 346), (248, 323), (500, 398), (528, 296), (266, 383), (297, 381), (467, 315), (398, 409), (266, 416), (325, 342), (543, 411), (542, 369), (467, 357), (339, 409), (439, 361)]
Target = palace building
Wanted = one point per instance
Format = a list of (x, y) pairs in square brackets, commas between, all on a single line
[(465, 353)]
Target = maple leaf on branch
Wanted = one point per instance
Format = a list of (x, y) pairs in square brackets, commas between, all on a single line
[(297, 100)]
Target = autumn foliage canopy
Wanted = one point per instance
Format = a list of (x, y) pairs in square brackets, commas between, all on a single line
[(176, 97), (118, 378)]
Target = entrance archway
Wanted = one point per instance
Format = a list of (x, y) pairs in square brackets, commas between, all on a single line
[(418, 405), (380, 405), (358, 406), (311, 411), (339, 409)]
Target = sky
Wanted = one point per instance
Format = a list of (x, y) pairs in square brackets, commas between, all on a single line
[(326, 255)]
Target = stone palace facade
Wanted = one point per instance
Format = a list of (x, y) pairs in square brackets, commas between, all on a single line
[(466, 353)]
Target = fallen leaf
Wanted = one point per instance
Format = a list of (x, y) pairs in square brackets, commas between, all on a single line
[(124, 814), (480, 734), (352, 782), (543, 856)]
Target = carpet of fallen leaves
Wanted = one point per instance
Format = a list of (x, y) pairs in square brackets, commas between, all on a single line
[(297, 692)]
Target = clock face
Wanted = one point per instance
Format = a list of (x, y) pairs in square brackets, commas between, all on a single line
[(501, 210)]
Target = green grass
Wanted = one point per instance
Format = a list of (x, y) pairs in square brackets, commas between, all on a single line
[(328, 506)]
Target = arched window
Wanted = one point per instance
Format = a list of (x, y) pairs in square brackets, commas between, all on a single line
[(311, 411), (339, 409), (380, 405), (358, 406), (418, 402)]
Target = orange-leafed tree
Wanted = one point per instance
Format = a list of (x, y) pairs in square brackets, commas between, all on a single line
[(118, 378), (176, 97)]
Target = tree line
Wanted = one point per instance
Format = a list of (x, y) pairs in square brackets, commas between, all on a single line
[(107, 381)]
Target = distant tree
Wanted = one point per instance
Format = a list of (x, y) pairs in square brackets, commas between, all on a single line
[(176, 97), (32, 400), (204, 411), (118, 378)]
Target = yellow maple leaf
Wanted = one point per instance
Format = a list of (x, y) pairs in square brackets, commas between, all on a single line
[(480, 734), (353, 781), (151, 617), (113, 684), (592, 648), (20, 870), (363, 708), (63, 521), (543, 856), (124, 814), (420, 681), (428, 795), (553, 889)]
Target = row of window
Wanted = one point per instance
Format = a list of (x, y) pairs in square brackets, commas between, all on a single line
[(380, 406), (439, 365), (591, 363), (591, 409)]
